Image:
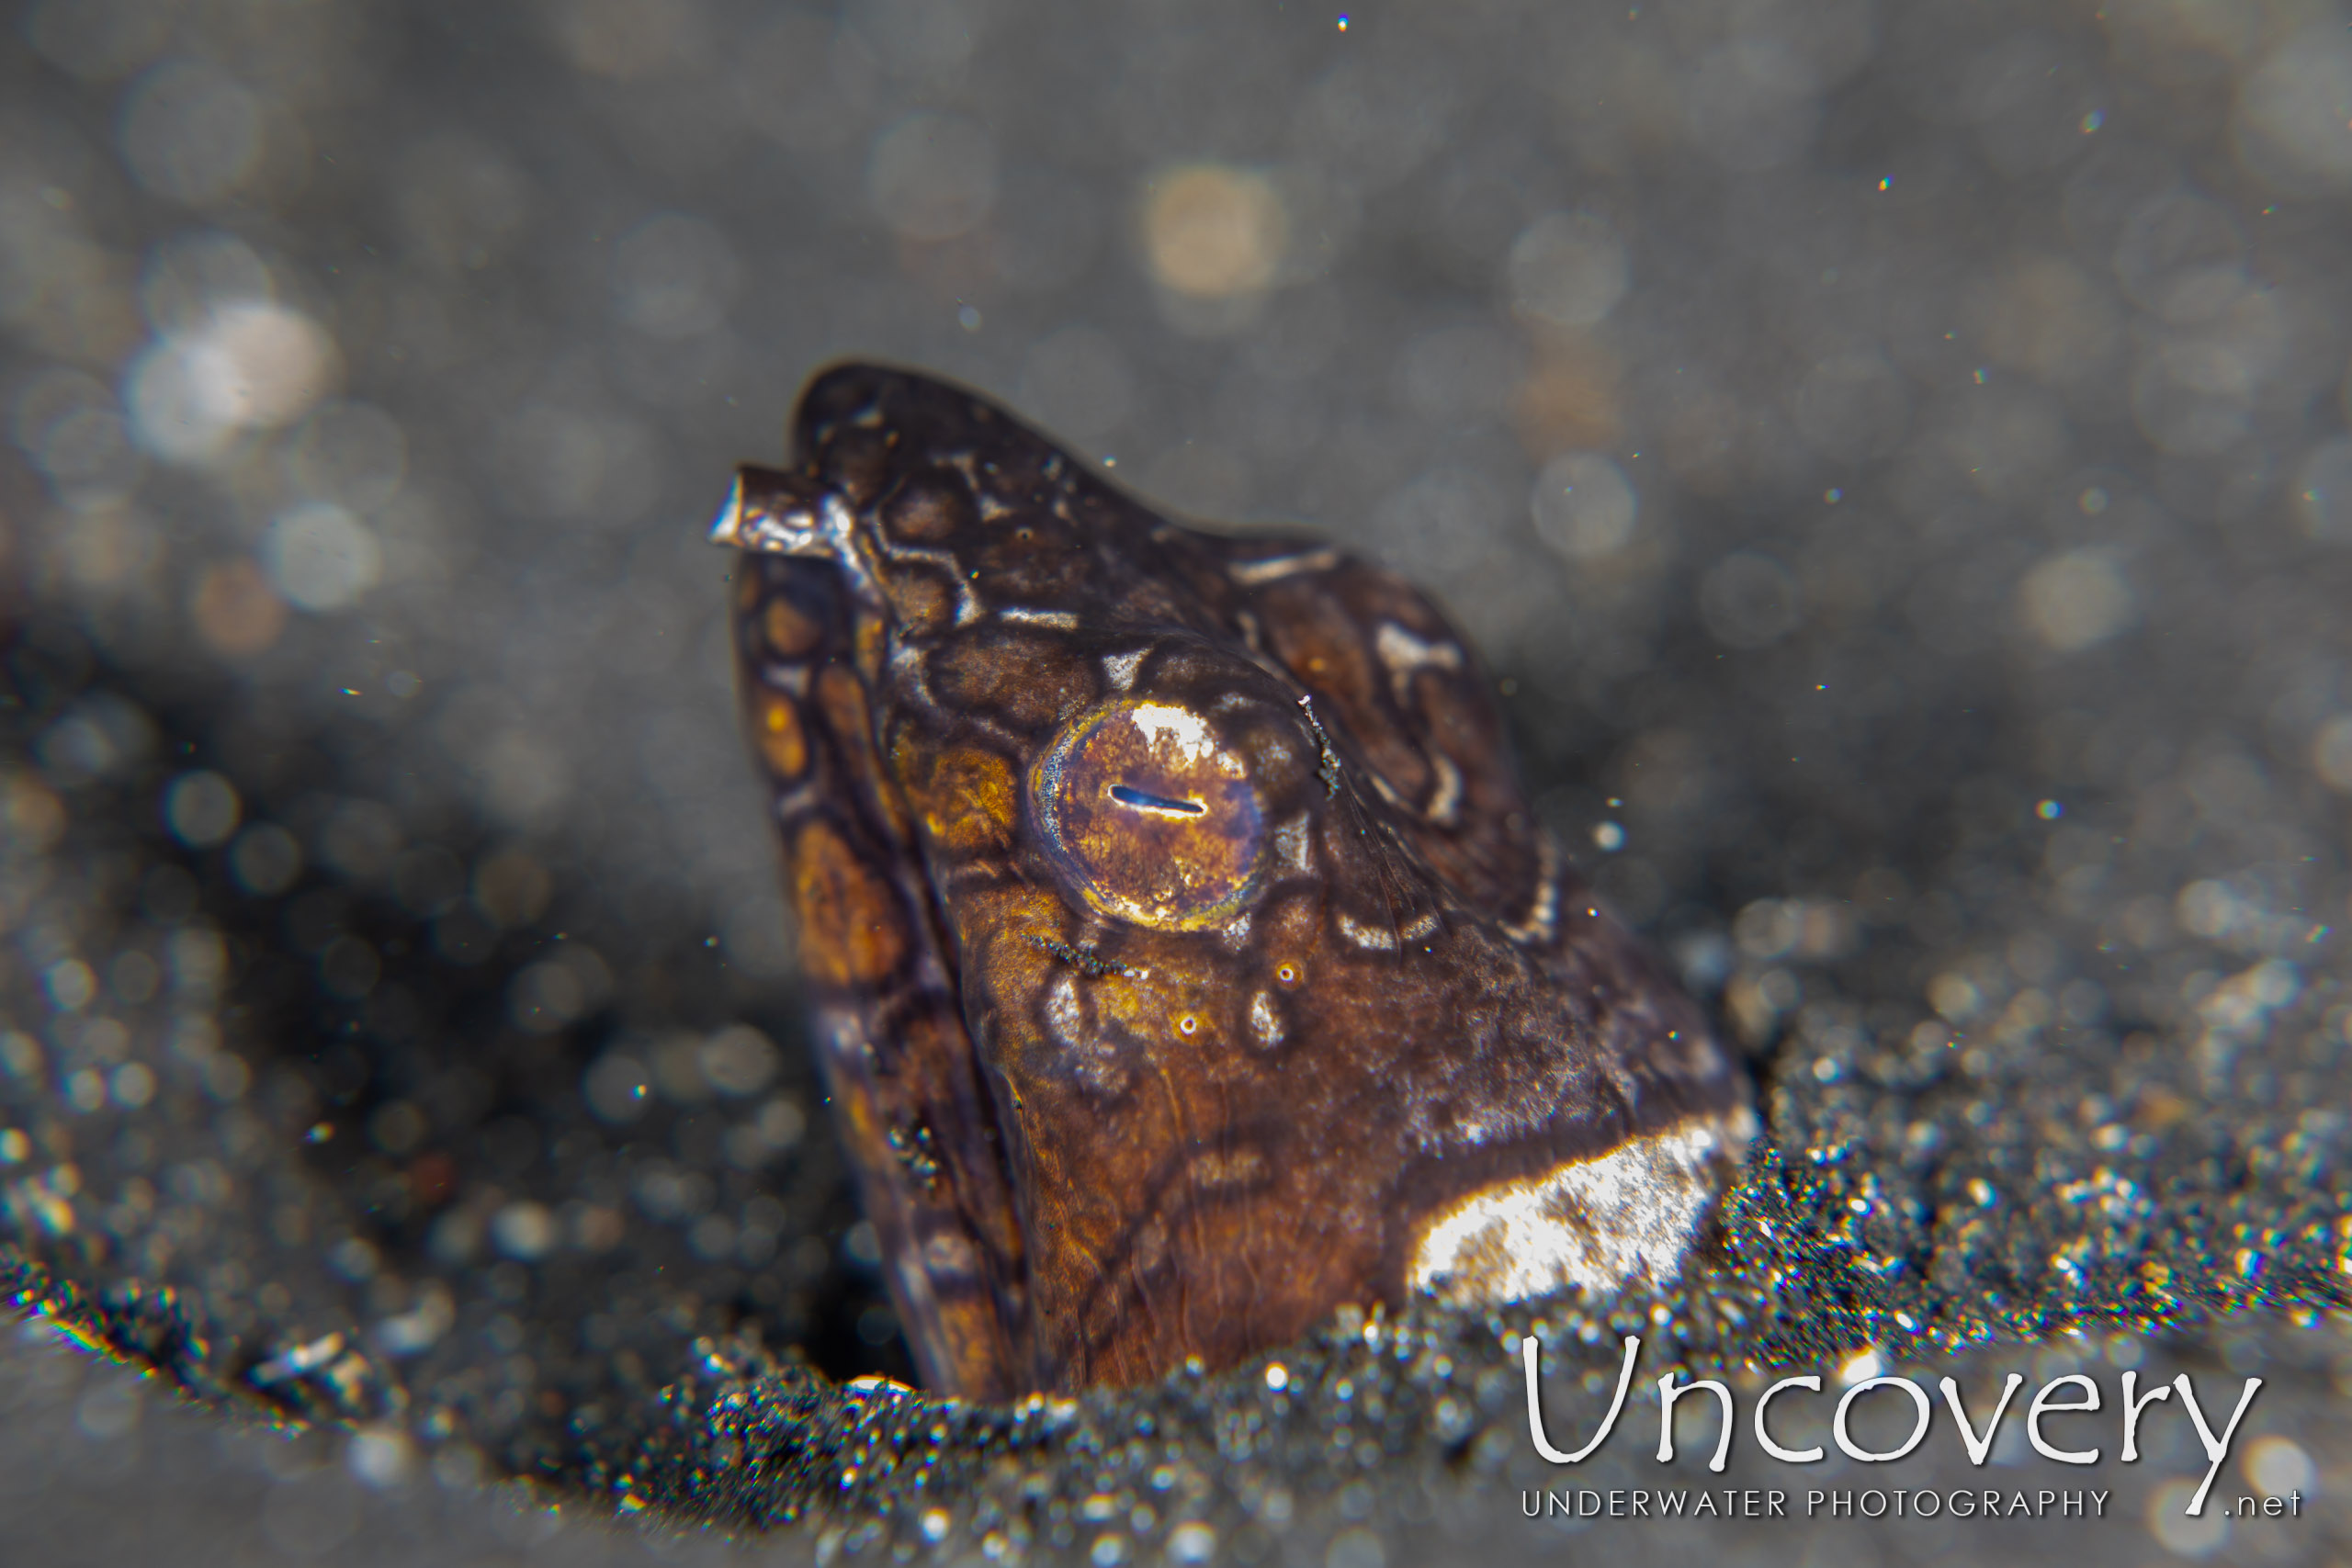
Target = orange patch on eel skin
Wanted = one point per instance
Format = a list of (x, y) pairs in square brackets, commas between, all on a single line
[(850, 925)]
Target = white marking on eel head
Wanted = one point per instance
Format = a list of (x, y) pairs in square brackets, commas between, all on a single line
[(1404, 653), (1178, 727), (1060, 620), (1543, 912), (1121, 667), (1623, 1217), (1289, 845), (1064, 1019), (828, 529), (968, 600), (1249, 624), (1446, 795), (1265, 1023), (1252, 573)]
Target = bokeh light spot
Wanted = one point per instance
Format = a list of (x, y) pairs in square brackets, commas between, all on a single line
[(202, 809), (1584, 507), (1212, 231), (2332, 752), (251, 364), (2075, 600), (99, 41), (2178, 1530), (1568, 269), (2294, 114), (236, 612), (673, 276), (2322, 491), (932, 176), (321, 556), (190, 132), (1749, 600)]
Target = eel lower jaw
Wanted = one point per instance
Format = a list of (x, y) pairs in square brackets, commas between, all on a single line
[(1617, 1220)]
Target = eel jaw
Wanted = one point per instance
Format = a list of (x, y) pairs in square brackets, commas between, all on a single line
[(775, 513)]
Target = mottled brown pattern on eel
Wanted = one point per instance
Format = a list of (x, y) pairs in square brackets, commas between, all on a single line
[(1188, 960)]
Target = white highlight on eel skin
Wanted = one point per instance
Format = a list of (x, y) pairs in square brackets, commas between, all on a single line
[(1174, 727), (1620, 1218)]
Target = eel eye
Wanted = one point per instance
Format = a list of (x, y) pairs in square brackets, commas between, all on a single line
[(1151, 816)]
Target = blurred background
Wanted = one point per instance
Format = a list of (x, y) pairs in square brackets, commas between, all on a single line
[(1894, 457)]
